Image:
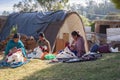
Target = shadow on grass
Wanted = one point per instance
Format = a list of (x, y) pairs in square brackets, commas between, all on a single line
[(95, 70), (62, 71)]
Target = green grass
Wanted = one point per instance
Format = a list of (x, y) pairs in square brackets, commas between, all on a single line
[(106, 68)]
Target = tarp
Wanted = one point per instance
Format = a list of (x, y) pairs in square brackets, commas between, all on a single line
[(31, 24)]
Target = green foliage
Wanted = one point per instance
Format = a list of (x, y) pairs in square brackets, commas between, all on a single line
[(37, 5), (58, 6), (49, 5), (117, 3), (14, 29), (92, 24), (85, 20), (94, 10), (26, 6)]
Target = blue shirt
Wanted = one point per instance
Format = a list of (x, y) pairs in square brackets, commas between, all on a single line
[(11, 44)]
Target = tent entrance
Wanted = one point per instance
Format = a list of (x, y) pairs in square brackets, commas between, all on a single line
[(60, 42)]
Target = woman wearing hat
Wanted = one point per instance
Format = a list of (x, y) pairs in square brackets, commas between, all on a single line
[(15, 43)]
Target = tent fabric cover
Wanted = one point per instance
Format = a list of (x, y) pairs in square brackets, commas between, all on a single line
[(31, 24)]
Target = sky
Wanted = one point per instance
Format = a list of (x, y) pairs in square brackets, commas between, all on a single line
[(7, 5)]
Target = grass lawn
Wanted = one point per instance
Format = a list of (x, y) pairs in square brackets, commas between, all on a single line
[(106, 68)]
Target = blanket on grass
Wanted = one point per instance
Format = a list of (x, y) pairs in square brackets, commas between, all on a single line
[(14, 59), (13, 65), (85, 57)]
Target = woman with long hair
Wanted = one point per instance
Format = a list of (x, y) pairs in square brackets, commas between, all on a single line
[(77, 44)]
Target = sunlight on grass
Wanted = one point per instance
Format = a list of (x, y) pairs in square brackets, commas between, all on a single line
[(106, 68), (25, 70)]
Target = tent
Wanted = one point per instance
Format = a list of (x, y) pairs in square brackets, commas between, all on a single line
[(57, 26)]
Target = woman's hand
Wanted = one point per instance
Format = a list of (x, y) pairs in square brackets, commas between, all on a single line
[(13, 50), (72, 47)]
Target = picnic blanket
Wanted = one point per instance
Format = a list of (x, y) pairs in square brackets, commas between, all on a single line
[(13, 65), (15, 56), (37, 53), (14, 59), (66, 53), (86, 57)]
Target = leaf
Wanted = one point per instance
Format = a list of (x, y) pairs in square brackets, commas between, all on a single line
[(117, 3)]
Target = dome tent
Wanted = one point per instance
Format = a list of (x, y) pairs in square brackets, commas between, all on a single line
[(54, 25)]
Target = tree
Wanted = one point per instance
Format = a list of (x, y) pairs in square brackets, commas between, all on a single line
[(37, 5), (26, 6), (5, 13), (85, 20), (117, 3), (48, 5), (93, 10)]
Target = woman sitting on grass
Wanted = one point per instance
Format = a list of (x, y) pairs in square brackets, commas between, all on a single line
[(77, 44), (15, 43), (44, 44)]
